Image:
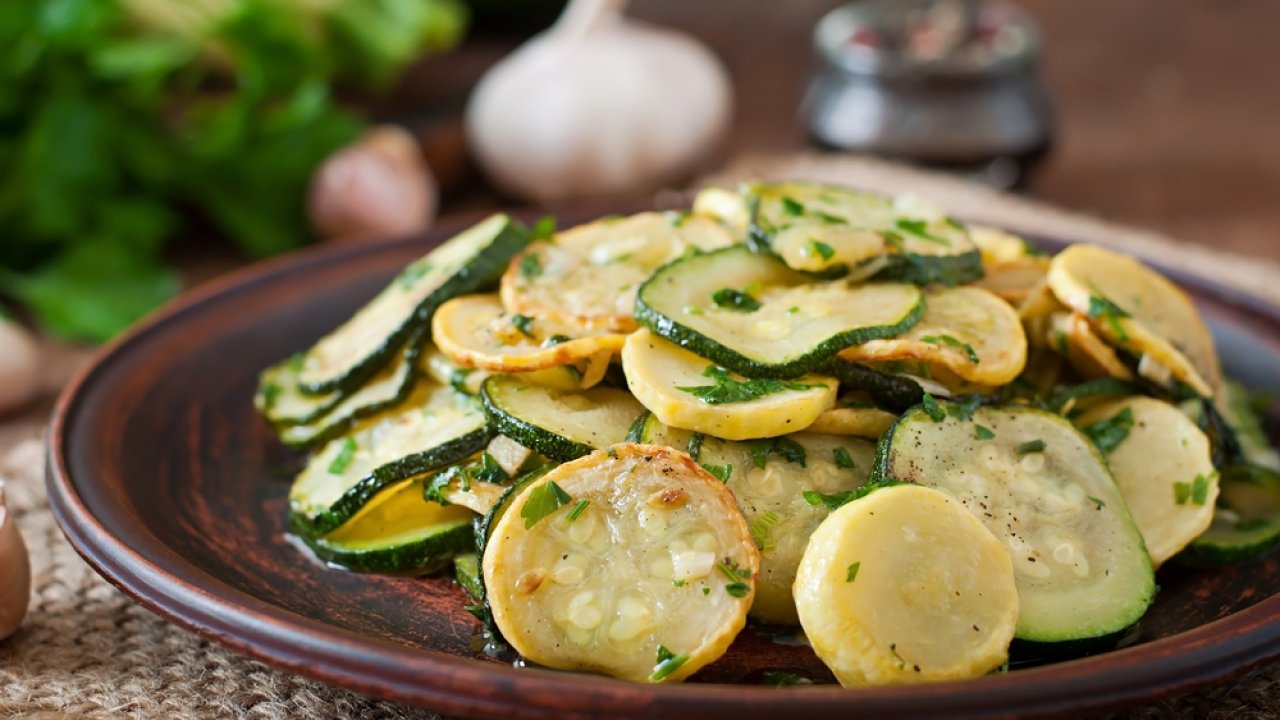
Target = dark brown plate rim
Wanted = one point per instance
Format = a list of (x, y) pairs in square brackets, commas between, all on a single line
[(179, 592)]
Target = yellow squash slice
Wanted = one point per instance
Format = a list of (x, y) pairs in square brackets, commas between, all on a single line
[(1140, 311), (967, 330), (475, 331), (906, 586), (1071, 335), (1163, 467), (586, 278), (864, 422), (632, 562), (666, 379)]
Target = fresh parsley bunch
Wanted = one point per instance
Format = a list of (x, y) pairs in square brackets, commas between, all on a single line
[(123, 121)]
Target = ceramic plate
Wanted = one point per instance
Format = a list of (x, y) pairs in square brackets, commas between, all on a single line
[(169, 484)]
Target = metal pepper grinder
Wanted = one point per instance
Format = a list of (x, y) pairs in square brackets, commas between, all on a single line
[(951, 84)]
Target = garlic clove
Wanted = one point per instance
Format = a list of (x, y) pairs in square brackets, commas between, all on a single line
[(600, 105), (19, 366), (15, 573), (378, 187)]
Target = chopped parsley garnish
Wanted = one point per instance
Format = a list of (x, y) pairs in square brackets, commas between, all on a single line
[(524, 324), (691, 310), (726, 389), (487, 469), (1097, 502), (344, 457), (964, 410), (543, 500), (738, 589), (793, 310), (667, 663), (1108, 433), (843, 461), (919, 228), (678, 583), (1031, 446), (950, 341), (577, 510), (821, 249), (544, 228), (412, 274), (612, 452), (721, 472), (706, 591), (1181, 493), (982, 432), (853, 572), (932, 408), (1100, 308), (783, 447), (531, 266), (1196, 491), (736, 300), (792, 207), (556, 340), (760, 531), (458, 379), (694, 447), (736, 575), (828, 218), (832, 501)]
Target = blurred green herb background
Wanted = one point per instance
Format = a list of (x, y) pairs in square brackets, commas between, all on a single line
[(122, 122)]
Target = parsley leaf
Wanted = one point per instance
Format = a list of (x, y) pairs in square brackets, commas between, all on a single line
[(524, 324), (982, 432), (531, 266), (345, 454), (542, 501), (544, 228), (1031, 446), (792, 207), (843, 461), (667, 663), (1108, 433), (736, 300), (725, 389), (721, 472), (932, 408), (784, 447), (853, 571), (577, 510), (951, 341), (821, 249), (919, 228), (1100, 308)]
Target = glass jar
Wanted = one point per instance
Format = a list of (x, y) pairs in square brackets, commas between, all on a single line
[(945, 83)]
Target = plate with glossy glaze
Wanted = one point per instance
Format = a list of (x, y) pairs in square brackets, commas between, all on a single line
[(169, 484)]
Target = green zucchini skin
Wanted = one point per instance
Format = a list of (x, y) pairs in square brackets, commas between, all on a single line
[(482, 527), (423, 555), (466, 571), (406, 467), (950, 270), (889, 392), (483, 269), (504, 421), (1100, 387), (1223, 545), (330, 424), (281, 379), (696, 342)]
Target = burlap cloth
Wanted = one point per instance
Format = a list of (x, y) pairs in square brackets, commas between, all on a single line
[(87, 650)]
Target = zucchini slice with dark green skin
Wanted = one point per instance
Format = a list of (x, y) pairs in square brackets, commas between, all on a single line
[(477, 257), (397, 532), (891, 392), (466, 571), (1246, 522), (561, 425), (830, 231), (384, 390), (751, 313), (433, 428), (1044, 489)]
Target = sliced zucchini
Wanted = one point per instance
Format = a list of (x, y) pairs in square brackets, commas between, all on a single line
[(586, 278), (384, 390), (1161, 462), (727, 207), (1233, 403), (905, 586), (1071, 336), (280, 401), (444, 370), (685, 391), (863, 422), (466, 263), (466, 571), (828, 229), (893, 392), (1136, 309), (433, 428), (397, 532), (477, 332), (560, 425), (752, 314), (967, 330), (1074, 399), (1246, 522), (632, 562), (1044, 489)]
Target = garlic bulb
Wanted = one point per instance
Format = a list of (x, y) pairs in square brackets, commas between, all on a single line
[(15, 573), (375, 188), (598, 105), (19, 366)]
